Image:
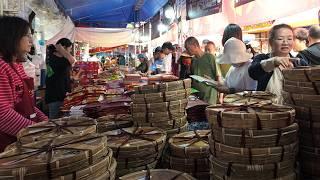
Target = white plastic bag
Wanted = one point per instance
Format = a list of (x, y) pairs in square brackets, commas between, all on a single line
[(275, 85)]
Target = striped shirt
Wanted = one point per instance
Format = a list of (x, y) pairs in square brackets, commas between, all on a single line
[(11, 90)]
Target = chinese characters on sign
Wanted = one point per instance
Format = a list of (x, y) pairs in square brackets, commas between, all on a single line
[(199, 8)]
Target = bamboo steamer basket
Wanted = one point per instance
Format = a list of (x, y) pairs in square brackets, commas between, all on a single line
[(307, 113), (158, 174), (53, 158), (108, 175), (250, 116), (165, 125), (113, 122), (310, 88), (159, 107), (253, 155), (302, 100), (162, 87), (309, 161), (250, 97), (302, 74), (51, 129), (191, 144), (122, 172), (222, 170), (175, 131), (158, 117), (161, 96), (251, 138)]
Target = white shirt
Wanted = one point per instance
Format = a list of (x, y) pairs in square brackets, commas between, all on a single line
[(238, 78), (167, 63)]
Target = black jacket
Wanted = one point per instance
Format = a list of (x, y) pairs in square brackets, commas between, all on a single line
[(311, 55)]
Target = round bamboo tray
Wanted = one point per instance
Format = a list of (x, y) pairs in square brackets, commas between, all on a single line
[(108, 175), (311, 88), (309, 161), (250, 116), (165, 125), (113, 122), (253, 155), (162, 87), (251, 138), (223, 170), (303, 100), (173, 132), (158, 117), (250, 97), (191, 144), (302, 74), (58, 127), (125, 171), (161, 96), (158, 174), (53, 158), (159, 107)]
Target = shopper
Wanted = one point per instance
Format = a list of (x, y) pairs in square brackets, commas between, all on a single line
[(301, 39), (312, 54), (167, 49), (17, 109), (143, 66), (58, 83), (157, 66), (185, 65), (203, 64)]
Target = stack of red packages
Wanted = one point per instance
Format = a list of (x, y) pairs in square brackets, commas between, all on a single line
[(162, 78), (131, 79), (89, 71)]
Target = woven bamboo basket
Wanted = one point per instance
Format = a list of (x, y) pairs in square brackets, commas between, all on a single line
[(249, 97), (307, 113), (173, 132), (161, 96), (54, 158), (158, 117), (251, 138), (197, 167), (309, 133), (302, 100), (58, 127), (253, 155), (159, 107), (222, 170), (113, 122), (250, 116), (122, 172), (191, 144), (165, 125), (162, 87), (302, 74), (309, 161), (108, 175), (158, 174), (311, 88)]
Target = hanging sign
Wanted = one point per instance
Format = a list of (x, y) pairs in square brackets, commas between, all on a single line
[(199, 8)]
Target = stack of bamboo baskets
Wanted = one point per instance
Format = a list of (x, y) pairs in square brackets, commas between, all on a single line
[(252, 141), (189, 152), (113, 122), (136, 148), (158, 174), (59, 149), (162, 105), (301, 90)]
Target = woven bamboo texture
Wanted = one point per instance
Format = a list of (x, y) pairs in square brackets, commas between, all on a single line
[(311, 88), (310, 160), (191, 144), (158, 117), (250, 116), (307, 113), (256, 138), (161, 96), (122, 172), (159, 107), (165, 125), (253, 155), (163, 87), (173, 132), (302, 100), (158, 174), (302, 74), (54, 158), (58, 127), (249, 97), (113, 122), (233, 171)]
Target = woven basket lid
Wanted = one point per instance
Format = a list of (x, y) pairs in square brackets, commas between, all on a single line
[(305, 74), (249, 97), (158, 174), (58, 127)]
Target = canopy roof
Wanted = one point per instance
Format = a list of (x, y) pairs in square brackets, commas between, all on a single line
[(109, 13)]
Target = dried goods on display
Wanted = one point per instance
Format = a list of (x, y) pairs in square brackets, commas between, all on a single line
[(250, 97), (196, 109), (158, 174), (113, 122), (163, 87)]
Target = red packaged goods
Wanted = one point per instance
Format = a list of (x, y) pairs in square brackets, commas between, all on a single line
[(162, 78)]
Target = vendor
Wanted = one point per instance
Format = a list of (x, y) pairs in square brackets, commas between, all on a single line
[(143, 66), (17, 109)]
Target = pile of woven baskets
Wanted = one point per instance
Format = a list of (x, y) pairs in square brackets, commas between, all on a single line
[(65, 148), (136, 148), (113, 122), (162, 105), (252, 141), (301, 90), (158, 174), (189, 152)]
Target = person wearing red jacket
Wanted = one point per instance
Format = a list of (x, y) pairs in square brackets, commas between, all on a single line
[(17, 108)]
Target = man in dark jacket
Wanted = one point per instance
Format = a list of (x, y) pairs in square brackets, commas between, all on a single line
[(312, 54)]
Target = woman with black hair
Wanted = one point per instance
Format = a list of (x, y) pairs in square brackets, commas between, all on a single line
[(17, 109), (58, 83)]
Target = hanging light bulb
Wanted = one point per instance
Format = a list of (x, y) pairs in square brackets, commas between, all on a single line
[(169, 13), (162, 28)]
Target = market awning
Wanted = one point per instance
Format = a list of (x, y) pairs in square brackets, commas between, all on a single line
[(109, 13)]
